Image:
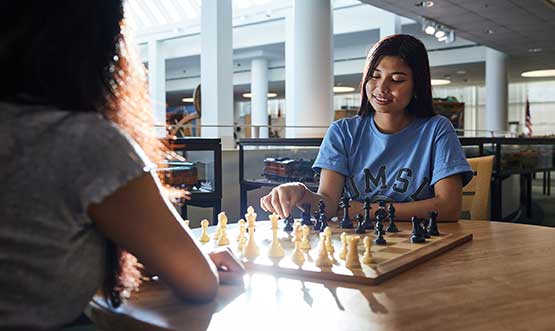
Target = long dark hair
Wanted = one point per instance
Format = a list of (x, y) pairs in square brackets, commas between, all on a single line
[(413, 52), (73, 55)]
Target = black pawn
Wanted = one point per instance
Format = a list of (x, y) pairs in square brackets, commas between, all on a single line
[(289, 223), (379, 232), (346, 222), (368, 225), (432, 224), (416, 237), (360, 228), (306, 215), (392, 227)]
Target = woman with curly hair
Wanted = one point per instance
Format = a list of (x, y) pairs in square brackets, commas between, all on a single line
[(78, 154)]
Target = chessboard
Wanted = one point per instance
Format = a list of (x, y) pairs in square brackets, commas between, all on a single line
[(396, 256)]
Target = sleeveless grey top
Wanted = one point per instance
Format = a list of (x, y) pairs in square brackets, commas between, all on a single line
[(53, 165)]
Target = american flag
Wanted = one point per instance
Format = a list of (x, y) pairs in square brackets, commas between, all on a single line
[(528, 119)]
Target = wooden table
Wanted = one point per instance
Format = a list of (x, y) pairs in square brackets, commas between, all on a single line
[(503, 279)]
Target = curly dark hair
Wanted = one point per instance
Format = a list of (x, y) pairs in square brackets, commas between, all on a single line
[(413, 52), (73, 55)]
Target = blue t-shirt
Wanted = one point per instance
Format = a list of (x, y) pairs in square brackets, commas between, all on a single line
[(401, 167)]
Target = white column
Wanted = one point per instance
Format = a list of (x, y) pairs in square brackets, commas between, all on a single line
[(496, 90), (259, 99), (157, 86), (313, 75), (391, 25), (289, 74), (216, 71)]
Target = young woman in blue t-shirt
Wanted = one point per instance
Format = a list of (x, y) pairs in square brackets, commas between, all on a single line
[(395, 150)]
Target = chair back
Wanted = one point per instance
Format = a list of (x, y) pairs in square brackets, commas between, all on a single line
[(476, 193)]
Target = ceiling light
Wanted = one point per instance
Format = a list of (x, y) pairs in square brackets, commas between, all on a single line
[(188, 99), (489, 31), (429, 28), (424, 4), (440, 39), (249, 95), (436, 82), (439, 34), (461, 72), (535, 50), (343, 89), (539, 73)]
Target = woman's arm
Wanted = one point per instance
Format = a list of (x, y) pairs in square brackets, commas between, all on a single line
[(447, 202), (140, 220), (283, 198)]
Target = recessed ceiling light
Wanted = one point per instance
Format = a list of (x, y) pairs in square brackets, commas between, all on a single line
[(439, 33), (249, 95), (436, 82), (188, 99), (535, 50), (343, 89), (461, 72), (489, 31), (539, 73), (424, 4)]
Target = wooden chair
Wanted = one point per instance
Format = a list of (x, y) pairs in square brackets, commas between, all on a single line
[(476, 193)]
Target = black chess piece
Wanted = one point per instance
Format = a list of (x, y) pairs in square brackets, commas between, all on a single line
[(432, 224), (368, 225), (392, 227), (416, 234), (379, 232), (323, 222), (360, 228), (424, 231), (346, 222), (317, 223), (306, 217), (289, 223), (381, 212)]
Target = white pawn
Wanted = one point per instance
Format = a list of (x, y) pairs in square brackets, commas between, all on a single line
[(297, 232), (329, 246), (204, 238), (367, 257), (343, 252), (323, 260), (305, 244), (298, 255), (352, 254), (223, 240), (242, 230)]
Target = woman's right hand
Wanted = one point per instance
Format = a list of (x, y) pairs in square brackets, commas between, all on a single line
[(283, 198)]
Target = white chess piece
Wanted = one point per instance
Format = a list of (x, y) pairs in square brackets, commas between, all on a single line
[(298, 256), (242, 230), (329, 246), (323, 260), (223, 240), (343, 252), (251, 217), (275, 249), (352, 254), (297, 232), (305, 243), (204, 238), (251, 250), (367, 257), (186, 223)]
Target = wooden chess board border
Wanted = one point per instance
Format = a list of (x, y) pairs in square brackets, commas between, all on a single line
[(383, 271)]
